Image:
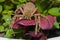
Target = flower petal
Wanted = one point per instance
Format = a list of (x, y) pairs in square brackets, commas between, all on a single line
[(15, 26), (40, 36), (33, 34), (51, 20), (47, 23), (44, 24), (27, 22)]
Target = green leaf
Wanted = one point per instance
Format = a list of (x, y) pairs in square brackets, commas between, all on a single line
[(0, 8), (54, 11), (7, 12), (6, 24), (6, 29), (15, 1), (2, 1), (1, 28), (7, 19), (57, 1), (7, 7), (38, 6), (22, 1), (56, 25), (9, 33), (45, 12)]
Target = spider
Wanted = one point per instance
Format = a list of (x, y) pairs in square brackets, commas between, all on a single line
[(28, 11)]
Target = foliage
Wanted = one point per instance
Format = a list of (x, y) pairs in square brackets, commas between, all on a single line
[(2, 1), (1, 28), (54, 11), (56, 24), (8, 7), (9, 33), (7, 19), (0, 8)]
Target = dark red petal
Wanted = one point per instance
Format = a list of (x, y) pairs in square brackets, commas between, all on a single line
[(27, 22), (44, 23), (33, 34), (36, 12), (51, 20), (47, 24), (41, 36), (15, 26)]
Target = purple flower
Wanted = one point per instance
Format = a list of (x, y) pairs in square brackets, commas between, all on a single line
[(33, 34), (26, 22), (47, 23)]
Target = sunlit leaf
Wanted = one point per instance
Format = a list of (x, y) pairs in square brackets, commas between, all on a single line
[(7, 19), (7, 12), (54, 11)]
